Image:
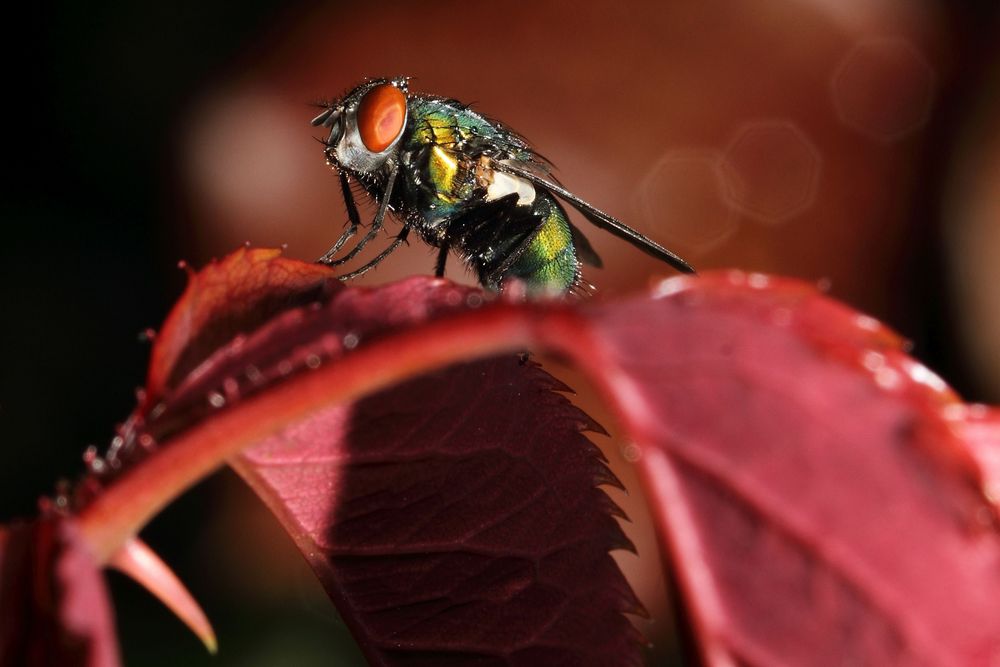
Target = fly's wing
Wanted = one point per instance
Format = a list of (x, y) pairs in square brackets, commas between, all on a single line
[(510, 153), (530, 171), (585, 251), (507, 145)]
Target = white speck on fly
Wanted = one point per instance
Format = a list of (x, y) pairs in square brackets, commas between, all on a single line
[(504, 185)]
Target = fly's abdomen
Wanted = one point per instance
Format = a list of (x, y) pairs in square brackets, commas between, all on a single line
[(550, 262)]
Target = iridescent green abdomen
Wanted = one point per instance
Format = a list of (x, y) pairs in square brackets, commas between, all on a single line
[(550, 263)]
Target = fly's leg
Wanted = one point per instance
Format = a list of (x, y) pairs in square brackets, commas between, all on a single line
[(398, 241), (352, 227), (376, 223), (441, 259)]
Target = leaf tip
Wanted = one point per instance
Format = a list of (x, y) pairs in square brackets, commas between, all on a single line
[(136, 560)]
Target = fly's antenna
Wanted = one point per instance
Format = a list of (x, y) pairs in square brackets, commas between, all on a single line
[(326, 118)]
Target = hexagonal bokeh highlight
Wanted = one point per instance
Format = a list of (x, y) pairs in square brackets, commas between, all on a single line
[(683, 194), (771, 171), (883, 88)]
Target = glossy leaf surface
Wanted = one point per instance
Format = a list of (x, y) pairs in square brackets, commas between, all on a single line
[(823, 497), (822, 493)]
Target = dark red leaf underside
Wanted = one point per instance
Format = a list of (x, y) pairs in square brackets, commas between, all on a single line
[(818, 501), (454, 520), (54, 606)]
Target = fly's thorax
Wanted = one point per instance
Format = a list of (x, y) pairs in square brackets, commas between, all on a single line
[(448, 153), (451, 184)]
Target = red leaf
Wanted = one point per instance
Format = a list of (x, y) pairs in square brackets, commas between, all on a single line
[(225, 299), (815, 484), (454, 518), (821, 494), (54, 606)]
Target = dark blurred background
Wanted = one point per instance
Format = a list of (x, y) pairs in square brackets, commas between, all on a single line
[(854, 143)]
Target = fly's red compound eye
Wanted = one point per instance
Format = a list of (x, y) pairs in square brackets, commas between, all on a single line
[(381, 115)]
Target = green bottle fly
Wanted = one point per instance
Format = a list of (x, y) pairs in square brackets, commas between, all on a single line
[(464, 183)]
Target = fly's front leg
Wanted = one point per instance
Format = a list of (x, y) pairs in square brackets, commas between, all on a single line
[(352, 227), (398, 241), (376, 223)]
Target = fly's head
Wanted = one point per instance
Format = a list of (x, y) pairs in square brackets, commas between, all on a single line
[(365, 125)]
